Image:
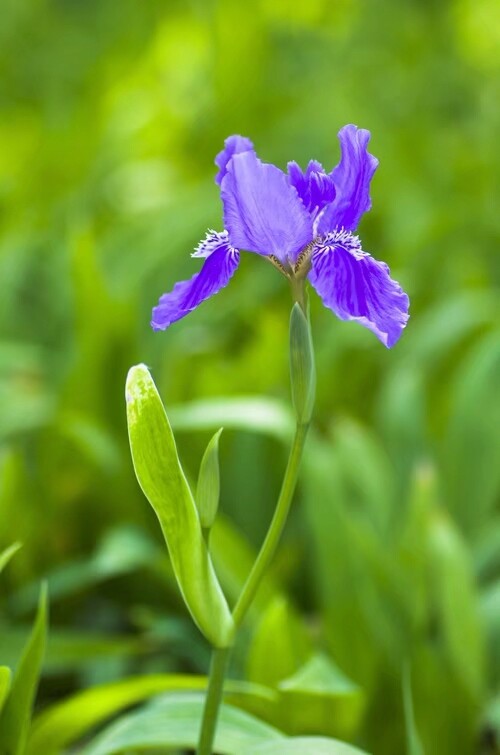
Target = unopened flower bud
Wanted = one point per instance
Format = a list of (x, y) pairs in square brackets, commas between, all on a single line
[(208, 489), (302, 367)]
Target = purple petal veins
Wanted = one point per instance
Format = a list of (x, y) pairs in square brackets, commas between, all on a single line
[(221, 261), (357, 287), (232, 146), (352, 178), (315, 187), (262, 211)]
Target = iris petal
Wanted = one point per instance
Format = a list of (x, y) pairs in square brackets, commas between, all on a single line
[(352, 177), (217, 270), (315, 188), (262, 211), (357, 287), (233, 145)]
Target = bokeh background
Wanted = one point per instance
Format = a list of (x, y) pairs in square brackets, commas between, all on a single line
[(111, 115)]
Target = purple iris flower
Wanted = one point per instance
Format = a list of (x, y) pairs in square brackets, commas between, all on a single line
[(304, 223)]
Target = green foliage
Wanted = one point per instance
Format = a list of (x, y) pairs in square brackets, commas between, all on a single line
[(63, 724), (7, 554), (172, 722), (5, 682), (297, 745), (413, 743), (112, 115), (280, 644), (319, 697), (15, 718)]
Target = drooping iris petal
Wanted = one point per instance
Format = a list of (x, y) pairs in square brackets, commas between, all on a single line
[(262, 211), (233, 145), (352, 177), (357, 287), (315, 188), (219, 266)]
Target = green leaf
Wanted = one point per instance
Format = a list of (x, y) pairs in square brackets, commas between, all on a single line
[(173, 722), (490, 619), (234, 557), (64, 723), (252, 413), (280, 644), (70, 650), (492, 717), (338, 563), (305, 746), (413, 743), (121, 551), (370, 485), (302, 366), (472, 451), (208, 488), (314, 696), (319, 698), (5, 679), (16, 715), (7, 554), (457, 603), (162, 480)]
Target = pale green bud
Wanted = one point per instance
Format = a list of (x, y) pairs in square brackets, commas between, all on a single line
[(302, 366), (208, 488)]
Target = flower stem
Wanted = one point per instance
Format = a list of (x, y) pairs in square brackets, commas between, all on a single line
[(299, 293), (300, 370), (218, 665), (278, 522)]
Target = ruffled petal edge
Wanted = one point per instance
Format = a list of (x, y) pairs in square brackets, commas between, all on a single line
[(221, 261), (355, 286)]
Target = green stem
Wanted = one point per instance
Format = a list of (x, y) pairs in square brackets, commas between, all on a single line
[(299, 293), (220, 657), (278, 522), (303, 381)]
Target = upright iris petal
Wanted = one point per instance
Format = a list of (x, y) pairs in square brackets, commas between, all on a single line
[(262, 211), (315, 187), (352, 177), (219, 267), (232, 146)]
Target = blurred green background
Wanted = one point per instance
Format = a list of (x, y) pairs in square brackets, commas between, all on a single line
[(111, 115)]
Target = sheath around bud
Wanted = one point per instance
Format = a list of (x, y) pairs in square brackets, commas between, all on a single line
[(302, 366), (208, 488)]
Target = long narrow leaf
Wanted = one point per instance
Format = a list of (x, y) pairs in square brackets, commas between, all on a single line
[(5, 680), (16, 715), (7, 554)]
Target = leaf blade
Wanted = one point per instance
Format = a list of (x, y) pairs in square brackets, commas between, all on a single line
[(7, 554), (16, 715), (174, 722)]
